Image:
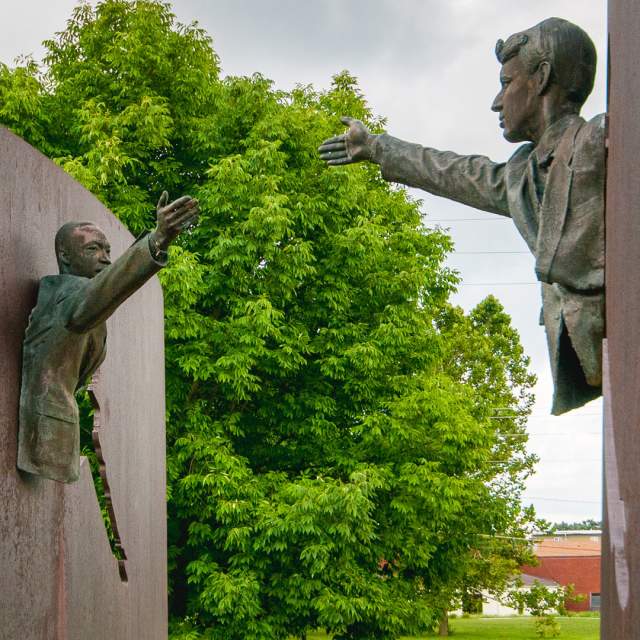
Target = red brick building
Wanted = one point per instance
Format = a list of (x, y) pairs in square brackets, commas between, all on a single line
[(571, 557)]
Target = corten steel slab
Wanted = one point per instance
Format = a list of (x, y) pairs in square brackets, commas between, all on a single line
[(58, 577), (621, 544)]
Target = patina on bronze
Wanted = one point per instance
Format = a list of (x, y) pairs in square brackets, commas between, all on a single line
[(65, 341), (552, 187)]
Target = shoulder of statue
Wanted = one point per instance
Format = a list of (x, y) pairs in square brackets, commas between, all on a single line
[(70, 281), (54, 289), (64, 285), (591, 137), (598, 122), (61, 281), (596, 127)]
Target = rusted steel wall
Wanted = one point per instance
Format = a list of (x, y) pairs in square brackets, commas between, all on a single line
[(58, 577), (621, 544)]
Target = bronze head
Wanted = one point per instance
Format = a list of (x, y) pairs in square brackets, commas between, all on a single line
[(547, 71), (82, 249)]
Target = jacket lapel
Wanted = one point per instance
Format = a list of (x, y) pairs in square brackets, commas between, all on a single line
[(523, 211), (555, 203)]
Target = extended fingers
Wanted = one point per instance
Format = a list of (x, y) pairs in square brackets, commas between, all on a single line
[(177, 207), (187, 212), (334, 149), (186, 215), (188, 207), (176, 204), (334, 162), (187, 221), (332, 156), (332, 146), (341, 138)]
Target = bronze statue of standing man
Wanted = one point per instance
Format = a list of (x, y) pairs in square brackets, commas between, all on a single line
[(552, 188)]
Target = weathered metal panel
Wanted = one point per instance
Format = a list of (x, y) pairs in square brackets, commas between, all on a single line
[(621, 548), (58, 577)]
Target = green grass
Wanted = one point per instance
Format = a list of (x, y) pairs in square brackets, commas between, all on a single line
[(521, 628), (573, 628)]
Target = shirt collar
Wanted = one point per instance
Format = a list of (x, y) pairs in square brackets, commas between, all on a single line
[(546, 147)]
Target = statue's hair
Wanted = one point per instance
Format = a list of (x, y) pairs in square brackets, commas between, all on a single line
[(62, 237), (569, 50)]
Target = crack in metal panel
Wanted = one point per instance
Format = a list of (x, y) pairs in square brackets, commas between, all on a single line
[(111, 514)]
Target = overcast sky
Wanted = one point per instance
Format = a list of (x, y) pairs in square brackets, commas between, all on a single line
[(428, 67)]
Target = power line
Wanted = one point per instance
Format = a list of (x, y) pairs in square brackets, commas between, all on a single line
[(542, 460), (469, 253), (547, 418), (542, 433), (562, 500), (502, 219), (494, 284)]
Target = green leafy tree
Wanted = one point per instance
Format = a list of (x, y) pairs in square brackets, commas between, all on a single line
[(484, 352), (543, 603), (584, 525), (342, 442)]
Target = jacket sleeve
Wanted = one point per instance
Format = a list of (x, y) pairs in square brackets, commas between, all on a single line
[(472, 180), (113, 285)]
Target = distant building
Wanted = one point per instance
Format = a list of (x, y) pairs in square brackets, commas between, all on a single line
[(488, 605), (493, 607), (571, 557)]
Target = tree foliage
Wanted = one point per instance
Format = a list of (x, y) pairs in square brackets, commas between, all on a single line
[(542, 602), (584, 525), (345, 447)]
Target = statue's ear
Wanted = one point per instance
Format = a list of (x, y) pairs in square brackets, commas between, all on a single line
[(63, 259), (543, 76)]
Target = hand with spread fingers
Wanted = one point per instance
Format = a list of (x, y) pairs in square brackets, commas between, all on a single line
[(173, 218), (356, 145)]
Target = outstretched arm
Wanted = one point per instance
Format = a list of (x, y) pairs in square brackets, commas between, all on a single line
[(113, 285), (472, 180)]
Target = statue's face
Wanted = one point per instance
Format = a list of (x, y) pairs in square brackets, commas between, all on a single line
[(87, 252), (518, 102)]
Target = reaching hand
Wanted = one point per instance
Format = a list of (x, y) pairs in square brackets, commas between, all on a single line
[(174, 218), (353, 146)]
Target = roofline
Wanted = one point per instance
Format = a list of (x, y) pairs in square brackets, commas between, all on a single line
[(576, 532), (580, 555)]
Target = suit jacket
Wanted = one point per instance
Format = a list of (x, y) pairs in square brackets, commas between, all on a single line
[(65, 342), (554, 192)]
